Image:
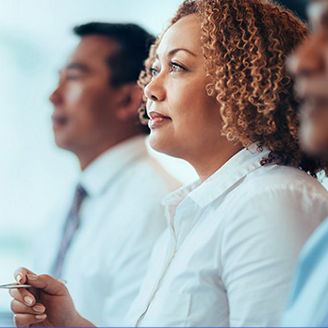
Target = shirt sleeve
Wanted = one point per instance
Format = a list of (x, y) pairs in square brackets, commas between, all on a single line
[(261, 243)]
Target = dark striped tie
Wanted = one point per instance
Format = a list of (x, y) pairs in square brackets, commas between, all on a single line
[(71, 225)]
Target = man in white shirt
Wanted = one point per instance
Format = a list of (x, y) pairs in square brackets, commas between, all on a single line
[(308, 303), (117, 213)]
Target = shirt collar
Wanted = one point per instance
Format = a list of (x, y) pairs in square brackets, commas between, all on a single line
[(106, 167), (237, 167)]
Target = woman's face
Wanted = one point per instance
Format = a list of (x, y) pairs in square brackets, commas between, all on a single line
[(184, 121)]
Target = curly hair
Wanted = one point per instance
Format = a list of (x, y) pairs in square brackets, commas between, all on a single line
[(245, 44)]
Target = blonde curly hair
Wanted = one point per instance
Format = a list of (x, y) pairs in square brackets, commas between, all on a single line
[(245, 44)]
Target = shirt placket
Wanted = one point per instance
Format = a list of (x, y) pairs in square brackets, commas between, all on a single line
[(174, 244), (171, 250)]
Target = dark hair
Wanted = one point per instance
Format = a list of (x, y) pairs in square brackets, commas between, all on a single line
[(298, 7), (133, 41)]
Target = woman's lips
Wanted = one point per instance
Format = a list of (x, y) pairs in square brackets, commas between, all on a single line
[(157, 119)]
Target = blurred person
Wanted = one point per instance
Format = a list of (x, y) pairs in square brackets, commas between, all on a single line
[(308, 303), (218, 95), (101, 246)]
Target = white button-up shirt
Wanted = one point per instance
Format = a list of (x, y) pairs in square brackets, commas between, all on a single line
[(121, 219), (228, 255)]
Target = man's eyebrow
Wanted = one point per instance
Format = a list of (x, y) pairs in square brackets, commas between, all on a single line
[(175, 50)]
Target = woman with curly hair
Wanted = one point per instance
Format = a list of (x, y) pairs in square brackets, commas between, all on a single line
[(217, 95)]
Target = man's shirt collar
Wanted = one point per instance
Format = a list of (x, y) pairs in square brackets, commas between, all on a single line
[(104, 169)]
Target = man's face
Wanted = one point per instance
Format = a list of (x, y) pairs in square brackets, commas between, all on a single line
[(84, 100), (309, 64)]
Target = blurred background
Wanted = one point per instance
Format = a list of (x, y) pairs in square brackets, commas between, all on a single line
[(35, 38)]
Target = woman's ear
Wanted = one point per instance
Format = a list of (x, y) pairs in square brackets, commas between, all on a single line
[(131, 97)]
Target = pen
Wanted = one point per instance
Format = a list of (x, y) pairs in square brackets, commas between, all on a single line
[(14, 285), (17, 285)]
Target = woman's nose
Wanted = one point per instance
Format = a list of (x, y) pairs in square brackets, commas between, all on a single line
[(154, 90)]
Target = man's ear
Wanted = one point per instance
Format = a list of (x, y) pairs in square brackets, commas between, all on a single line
[(130, 100)]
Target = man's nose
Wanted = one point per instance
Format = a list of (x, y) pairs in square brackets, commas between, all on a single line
[(308, 58), (55, 96)]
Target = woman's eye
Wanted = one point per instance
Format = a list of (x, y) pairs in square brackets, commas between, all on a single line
[(174, 67), (153, 71)]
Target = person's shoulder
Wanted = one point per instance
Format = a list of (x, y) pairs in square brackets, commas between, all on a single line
[(282, 195), (151, 173), (318, 244), (280, 178), (307, 305)]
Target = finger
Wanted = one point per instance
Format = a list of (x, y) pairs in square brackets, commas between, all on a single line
[(21, 275), (22, 295), (20, 308), (25, 320), (48, 284)]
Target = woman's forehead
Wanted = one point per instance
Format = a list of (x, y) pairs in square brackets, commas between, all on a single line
[(184, 34)]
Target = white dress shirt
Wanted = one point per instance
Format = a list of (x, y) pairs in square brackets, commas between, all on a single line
[(229, 253), (121, 219)]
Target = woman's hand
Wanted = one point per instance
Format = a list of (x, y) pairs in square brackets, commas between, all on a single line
[(47, 304)]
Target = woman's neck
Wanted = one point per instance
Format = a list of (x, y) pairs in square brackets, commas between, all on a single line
[(208, 161)]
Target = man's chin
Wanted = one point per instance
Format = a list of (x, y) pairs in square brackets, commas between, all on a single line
[(62, 143), (314, 131), (317, 148)]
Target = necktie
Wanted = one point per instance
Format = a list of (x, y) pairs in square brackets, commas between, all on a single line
[(71, 225)]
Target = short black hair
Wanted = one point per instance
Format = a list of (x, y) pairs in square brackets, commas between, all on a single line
[(133, 41)]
